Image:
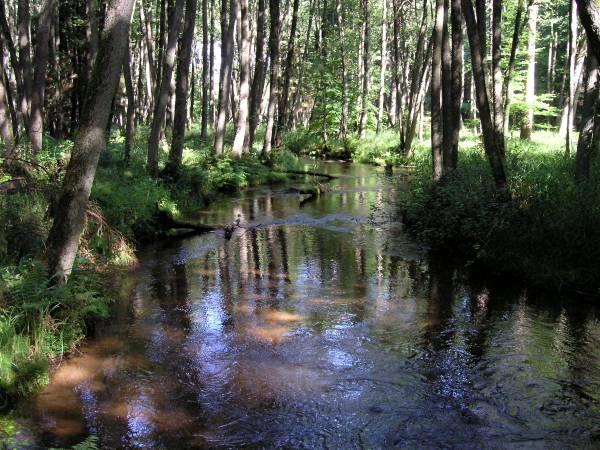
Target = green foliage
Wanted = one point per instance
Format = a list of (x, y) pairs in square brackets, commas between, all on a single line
[(549, 231)]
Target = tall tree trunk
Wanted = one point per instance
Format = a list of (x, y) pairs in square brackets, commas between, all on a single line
[(36, 120), (287, 74), (551, 58), (493, 139), (364, 110), (6, 132), (274, 81), (239, 146), (586, 149), (589, 14), (24, 23), (206, 88), (130, 124), (91, 34), (146, 22), (226, 69), (437, 129), (573, 80), (457, 83), (63, 240), (260, 72), (186, 43), (162, 91), (527, 126), (497, 85), (211, 57), (343, 132), (384, 27), (14, 62)]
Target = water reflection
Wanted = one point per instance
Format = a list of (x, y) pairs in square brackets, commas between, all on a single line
[(316, 328)]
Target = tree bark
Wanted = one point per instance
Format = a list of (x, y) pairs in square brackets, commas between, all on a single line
[(36, 120), (162, 91), (240, 142), (527, 126), (586, 149), (437, 129), (24, 24), (226, 69), (589, 14), (63, 240), (573, 80), (343, 132), (130, 124), (274, 81), (206, 88), (260, 72), (6, 132), (384, 27)]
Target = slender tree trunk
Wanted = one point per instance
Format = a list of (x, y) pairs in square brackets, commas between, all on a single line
[(299, 88), (527, 126), (437, 129), (260, 72), (14, 62), (457, 83), (182, 87), (242, 123), (212, 65), (226, 69), (63, 240), (274, 82), (36, 120), (24, 20), (586, 149), (384, 27), (343, 132), (162, 91), (146, 22), (287, 74), (206, 88), (130, 124), (551, 58), (497, 82), (364, 110), (572, 79), (6, 132)]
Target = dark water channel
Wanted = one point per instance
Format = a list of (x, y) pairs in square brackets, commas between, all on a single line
[(324, 327)]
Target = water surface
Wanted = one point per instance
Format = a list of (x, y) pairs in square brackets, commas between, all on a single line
[(322, 325)]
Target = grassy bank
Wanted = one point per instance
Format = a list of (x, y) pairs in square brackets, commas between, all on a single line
[(548, 233), (39, 324)]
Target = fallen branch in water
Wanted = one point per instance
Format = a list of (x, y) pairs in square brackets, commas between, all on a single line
[(310, 174)]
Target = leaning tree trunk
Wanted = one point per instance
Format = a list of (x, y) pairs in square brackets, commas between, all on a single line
[(36, 120), (63, 240), (274, 93), (589, 14), (527, 125), (162, 91), (586, 149), (226, 69), (242, 119), (182, 87), (260, 72), (384, 27)]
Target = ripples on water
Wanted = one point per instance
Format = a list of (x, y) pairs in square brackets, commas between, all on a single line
[(319, 329)]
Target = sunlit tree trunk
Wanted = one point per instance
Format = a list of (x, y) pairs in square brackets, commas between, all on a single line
[(206, 88), (436, 93), (260, 72), (527, 126), (162, 90), (589, 14), (586, 149), (364, 109), (242, 119), (345, 97), (63, 240), (384, 27), (25, 59), (573, 80), (6, 132)]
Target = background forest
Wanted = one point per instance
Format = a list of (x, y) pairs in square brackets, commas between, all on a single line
[(120, 118)]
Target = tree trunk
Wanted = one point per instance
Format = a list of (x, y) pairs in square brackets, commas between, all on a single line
[(63, 240), (25, 60), (527, 126), (586, 149), (573, 80), (364, 110), (260, 72), (36, 120), (437, 129), (12, 52), (91, 34), (6, 132), (551, 58), (287, 74), (274, 82), (162, 90), (589, 14), (239, 146), (384, 27), (182, 87), (130, 124), (226, 69), (206, 88), (493, 139), (343, 132), (457, 84)]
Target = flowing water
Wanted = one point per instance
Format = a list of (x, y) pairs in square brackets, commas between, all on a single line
[(321, 325)]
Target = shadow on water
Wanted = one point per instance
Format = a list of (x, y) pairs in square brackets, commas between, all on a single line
[(324, 326)]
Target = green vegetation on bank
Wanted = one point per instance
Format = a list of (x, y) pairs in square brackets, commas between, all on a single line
[(40, 323)]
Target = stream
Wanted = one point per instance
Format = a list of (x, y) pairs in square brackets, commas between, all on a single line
[(320, 324)]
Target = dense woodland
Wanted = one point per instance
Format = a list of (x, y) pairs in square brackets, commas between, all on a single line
[(197, 96)]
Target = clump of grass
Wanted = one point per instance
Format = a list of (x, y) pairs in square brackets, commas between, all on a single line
[(548, 232)]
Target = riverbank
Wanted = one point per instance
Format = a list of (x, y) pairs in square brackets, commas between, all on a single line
[(39, 324)]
